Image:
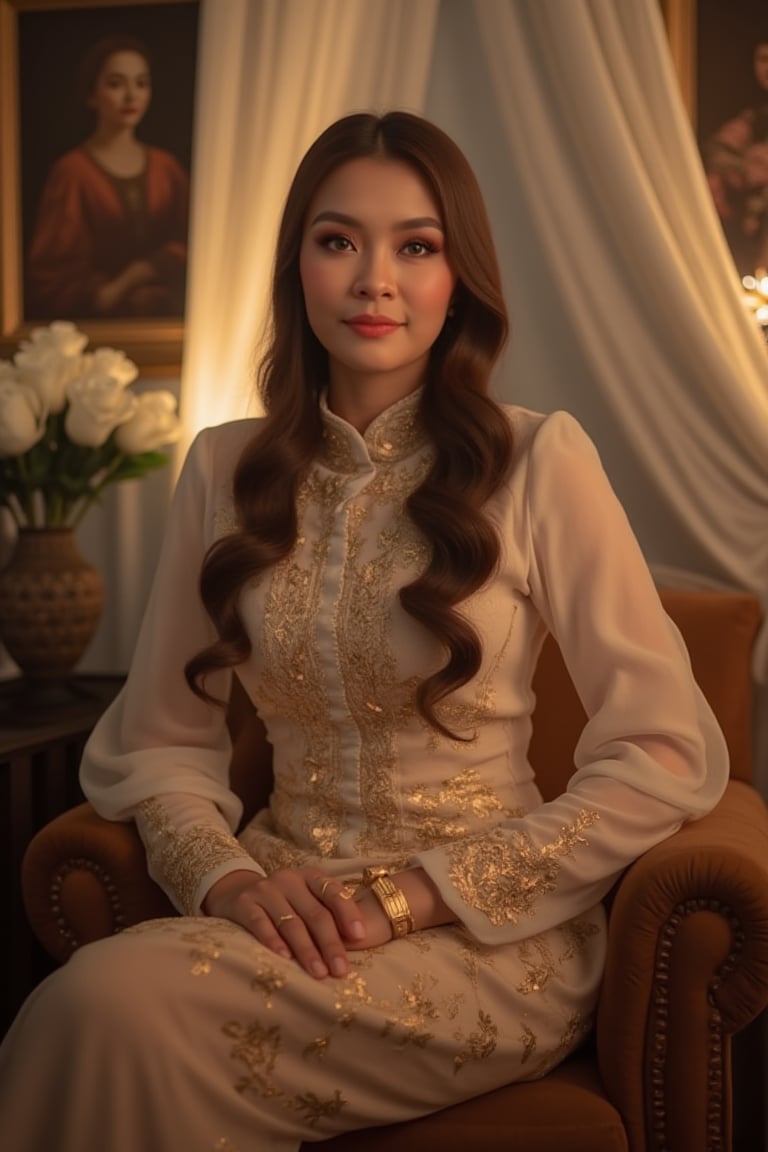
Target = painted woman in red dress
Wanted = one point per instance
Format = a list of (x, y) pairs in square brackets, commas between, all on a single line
[(110, 235)]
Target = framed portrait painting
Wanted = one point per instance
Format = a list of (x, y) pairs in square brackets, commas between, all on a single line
[(720, 51), (96, 135)]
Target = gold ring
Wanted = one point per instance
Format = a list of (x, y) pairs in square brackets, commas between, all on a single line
[(347, 892), (325, 885), (287, 916)]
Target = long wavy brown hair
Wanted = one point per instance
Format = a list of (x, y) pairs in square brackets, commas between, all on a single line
[(472, 437)]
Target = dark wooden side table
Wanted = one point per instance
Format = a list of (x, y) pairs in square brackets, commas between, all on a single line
[(42, 733)]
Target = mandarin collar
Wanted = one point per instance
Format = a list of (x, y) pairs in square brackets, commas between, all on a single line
[(395, 434)]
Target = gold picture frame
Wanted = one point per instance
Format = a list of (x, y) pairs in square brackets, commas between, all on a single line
[(153, 342), (680, 19)]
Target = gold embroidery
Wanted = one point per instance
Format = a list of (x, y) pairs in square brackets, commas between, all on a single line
[(398, 432), (314, 1109), (160, 925), (338, 450), (272, 851), (577, 933), (306, 806), (183, 859), (479, 1045), (465, 795), (473, 954), (468, 716), (416, 1008), (452, 1004), (206, 937), (503, 874), (318, 1048), (205, 950), (528, 1042), (268, 981), (257, 1048), (539, 964), (378, 703), (421, 941), (576, 1029), (391, 437)]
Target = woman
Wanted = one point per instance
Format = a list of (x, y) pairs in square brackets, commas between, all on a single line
[(407, 924), (110, 237)]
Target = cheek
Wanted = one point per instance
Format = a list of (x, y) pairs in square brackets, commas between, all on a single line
[(437, 292), (316, 281)]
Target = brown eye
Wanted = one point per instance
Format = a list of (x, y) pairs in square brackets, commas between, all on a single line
[(418, 248), (337, 243)]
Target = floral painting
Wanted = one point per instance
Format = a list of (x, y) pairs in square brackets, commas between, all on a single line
[(732, 122)]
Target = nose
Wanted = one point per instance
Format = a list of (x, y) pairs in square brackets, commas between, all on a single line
[(375, 277)]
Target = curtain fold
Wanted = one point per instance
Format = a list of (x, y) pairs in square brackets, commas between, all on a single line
[(593, 119), (272, 75)]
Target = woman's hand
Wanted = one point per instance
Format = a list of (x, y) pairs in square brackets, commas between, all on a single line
[(300, 912), (111, 294)]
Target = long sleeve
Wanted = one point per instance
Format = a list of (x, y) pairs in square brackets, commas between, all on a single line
[(159, 754), (651, 754)]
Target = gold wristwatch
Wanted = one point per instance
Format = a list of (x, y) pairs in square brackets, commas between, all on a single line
[(392, 900)]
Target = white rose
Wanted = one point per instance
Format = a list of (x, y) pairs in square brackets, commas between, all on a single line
[(111, 362), (22, 416), (49, 360), (153, 424), (61, 335), (97, 405)]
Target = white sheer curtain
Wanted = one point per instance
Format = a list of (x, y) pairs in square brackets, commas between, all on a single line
[(272, 75), (607, 166)]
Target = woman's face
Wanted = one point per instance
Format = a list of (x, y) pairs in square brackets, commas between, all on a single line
[(122, 90), (376, 278)]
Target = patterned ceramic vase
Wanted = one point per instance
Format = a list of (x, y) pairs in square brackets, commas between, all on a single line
[(51, 602)]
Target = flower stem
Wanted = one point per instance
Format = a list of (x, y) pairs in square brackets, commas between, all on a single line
[(96, 491), (25, 497)]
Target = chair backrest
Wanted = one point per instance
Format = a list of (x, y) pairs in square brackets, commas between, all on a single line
[(719, 629)]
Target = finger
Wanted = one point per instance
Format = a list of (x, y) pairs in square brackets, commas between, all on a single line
[(327, 887), (338, 897), (315, 939), (267, 930), (289, 931)]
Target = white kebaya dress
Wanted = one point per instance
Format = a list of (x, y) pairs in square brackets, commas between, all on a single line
[(186, 1035)]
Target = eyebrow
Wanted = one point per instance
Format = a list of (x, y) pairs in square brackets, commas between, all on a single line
[(399, 226)]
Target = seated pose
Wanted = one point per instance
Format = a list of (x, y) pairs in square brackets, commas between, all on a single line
[(378, 560)]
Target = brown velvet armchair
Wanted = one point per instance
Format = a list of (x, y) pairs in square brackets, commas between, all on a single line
[(687, 963)]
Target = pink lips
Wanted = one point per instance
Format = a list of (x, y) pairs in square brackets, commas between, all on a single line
[(372, 327)]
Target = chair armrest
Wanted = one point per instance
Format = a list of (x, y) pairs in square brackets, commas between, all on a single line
[(686, 968), (83, 877)]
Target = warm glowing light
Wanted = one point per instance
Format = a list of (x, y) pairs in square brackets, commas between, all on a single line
[(756, 297)]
